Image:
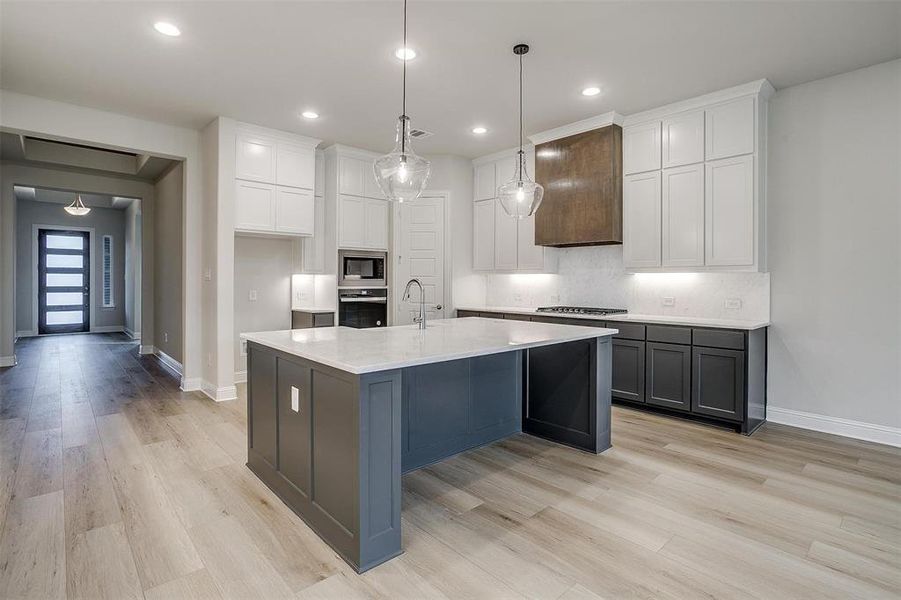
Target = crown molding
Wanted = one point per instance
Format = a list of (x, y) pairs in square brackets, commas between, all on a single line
[(343, 150), (501, 154), (285, 136), (761, 88), (608, 118)]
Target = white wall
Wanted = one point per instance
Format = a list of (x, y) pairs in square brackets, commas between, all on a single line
[(263, 265), (67, 122), (834, 189)]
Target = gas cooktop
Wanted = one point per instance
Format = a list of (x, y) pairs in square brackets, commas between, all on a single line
[(583, 310)]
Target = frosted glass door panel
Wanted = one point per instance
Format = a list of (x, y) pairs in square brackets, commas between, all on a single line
[(65, 280)]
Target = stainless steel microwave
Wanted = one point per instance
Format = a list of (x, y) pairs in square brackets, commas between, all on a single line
[(362, 268)]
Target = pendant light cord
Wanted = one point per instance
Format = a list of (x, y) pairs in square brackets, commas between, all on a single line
[(519, 167), (403, 133)]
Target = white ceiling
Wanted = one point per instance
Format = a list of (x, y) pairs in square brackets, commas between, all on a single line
[(264, 62), (31, 194)]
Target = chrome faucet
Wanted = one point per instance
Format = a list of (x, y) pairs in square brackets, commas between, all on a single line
[(421, 318)]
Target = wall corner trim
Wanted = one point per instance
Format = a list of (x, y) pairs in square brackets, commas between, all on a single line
[(860, 430), (170, 363), (146, 349), (240, 376), (191, 384), (219, 394), (8, 361)]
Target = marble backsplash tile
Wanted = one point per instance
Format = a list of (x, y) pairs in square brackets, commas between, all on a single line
[(595, 277)]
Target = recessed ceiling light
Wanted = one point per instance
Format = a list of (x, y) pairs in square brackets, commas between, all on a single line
[(479, 130), (167, 28), (405, 53), (309, 114), (591, 91)]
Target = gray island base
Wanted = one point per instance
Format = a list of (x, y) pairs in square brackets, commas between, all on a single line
[(337, 415)]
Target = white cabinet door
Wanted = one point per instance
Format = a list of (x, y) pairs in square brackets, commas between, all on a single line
[(683, 139), (730, 129), (529, 256), (371, 188), (729, 209), (350, 176), (295, 166), (319, 188), (254, 206), (376, 224), (314, 246), (641, 148), (294, 211), (351, 222), (641, 220), (505, 246), (484, 182), (483, 235), (255, 159), (504, 169), (683, 216)]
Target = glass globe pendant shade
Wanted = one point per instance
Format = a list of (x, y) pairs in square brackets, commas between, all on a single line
[(402, 174), (77, 208), (520, 197)]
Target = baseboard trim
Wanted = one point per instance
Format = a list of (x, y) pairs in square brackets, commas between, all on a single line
[(135, 335), (108, 329), (859, 430), (22, 334), (170, 363), (191, 384), (146, 349), (240, 376), (219, 394), (8, 361)]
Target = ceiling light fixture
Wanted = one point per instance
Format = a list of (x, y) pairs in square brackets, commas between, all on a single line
[(167, 28), (405, 53), (402, 174), (309, 114), (77, 207), (520, 197), (479, 130), (591, 91)]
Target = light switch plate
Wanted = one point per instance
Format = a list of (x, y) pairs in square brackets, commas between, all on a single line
[(252, 296), (295, 399), (669, 301), (732, 303)]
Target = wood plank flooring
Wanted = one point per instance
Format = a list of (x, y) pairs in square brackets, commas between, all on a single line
[(115, 484)]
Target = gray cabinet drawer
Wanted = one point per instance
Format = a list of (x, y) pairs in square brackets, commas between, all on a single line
[(719, 338), (669, 334), (491, 315), (517, 317), (627, 331), (466, 313), (569, 321)]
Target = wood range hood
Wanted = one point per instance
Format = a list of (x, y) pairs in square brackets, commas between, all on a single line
[(582, 177)]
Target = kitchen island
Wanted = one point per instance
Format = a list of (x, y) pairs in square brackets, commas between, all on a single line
[(335, 415)]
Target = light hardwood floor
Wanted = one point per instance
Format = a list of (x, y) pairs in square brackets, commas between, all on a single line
[(114, 484)]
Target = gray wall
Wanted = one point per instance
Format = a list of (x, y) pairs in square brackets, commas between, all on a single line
[(104, 221), (133, 269), (834, 196), (168, 299)]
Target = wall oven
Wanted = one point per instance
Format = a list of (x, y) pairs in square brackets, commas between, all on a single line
[(362, 268), (363, 307)]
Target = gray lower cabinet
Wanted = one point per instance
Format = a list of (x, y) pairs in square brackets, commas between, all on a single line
[(718, 383), (301, 319), (668, 376), (263, 424), (628, 370), (294, 423)]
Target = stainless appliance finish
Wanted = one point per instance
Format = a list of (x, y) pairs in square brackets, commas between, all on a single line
[(362, 268), (582, 310), (363, 307)]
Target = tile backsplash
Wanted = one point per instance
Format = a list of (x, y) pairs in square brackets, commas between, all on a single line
[(595, 277)]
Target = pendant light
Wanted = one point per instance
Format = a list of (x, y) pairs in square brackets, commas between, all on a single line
[(520, 197), (77, 207), (402, 174)]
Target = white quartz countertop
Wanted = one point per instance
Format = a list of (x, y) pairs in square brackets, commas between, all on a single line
[(744, 324), (378, 349), (313, 309)]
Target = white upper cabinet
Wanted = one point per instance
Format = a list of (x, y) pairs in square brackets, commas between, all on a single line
[(683, 216), (529, 257), (314, 246), (729, 209), (683, 139), (295, 166), (255, 158), (485, 187), (504, 169), (376, 224), (730, 129), (254, 206), (483, 235), (351, 222), (505, 242), (641, 148), (350, 175), (641, 220), (371, 187), (294, 210)]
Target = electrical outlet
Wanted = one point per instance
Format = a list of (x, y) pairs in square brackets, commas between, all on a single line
[(669, 301), (165, 336), (732, 303), (252, 296), (208, 274)]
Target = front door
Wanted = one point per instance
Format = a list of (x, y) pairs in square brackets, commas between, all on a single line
[(64, 261), (420, 254)]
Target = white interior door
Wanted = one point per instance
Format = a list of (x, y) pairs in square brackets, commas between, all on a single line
[(419, 245)]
